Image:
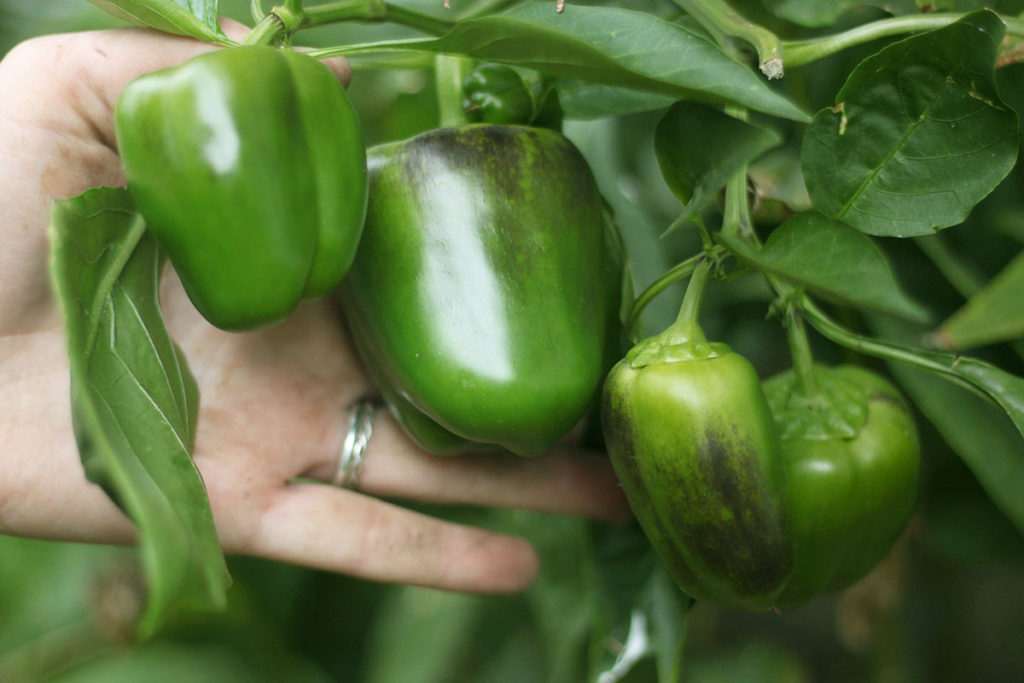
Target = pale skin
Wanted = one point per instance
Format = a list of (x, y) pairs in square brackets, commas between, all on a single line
[(273, 401)]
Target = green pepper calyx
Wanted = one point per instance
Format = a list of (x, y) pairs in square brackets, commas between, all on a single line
[(837, 409), (682, 341)]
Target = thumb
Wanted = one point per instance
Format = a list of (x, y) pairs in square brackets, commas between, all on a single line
[(90, 69)]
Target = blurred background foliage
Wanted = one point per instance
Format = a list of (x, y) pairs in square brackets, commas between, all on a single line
[(947, 605)]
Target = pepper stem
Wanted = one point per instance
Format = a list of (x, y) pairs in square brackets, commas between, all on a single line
[(687, 323), (800, 349), (266, 31), (736, 218), (449, 72), (671, 276)]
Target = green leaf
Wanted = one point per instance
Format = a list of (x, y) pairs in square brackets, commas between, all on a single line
[(1005, 389), (611, 46), (978, 431), (833, 260), (586, 100), (656, 627), (821, 13), (699, 148), (918, 135), (134, 400), (193, 18), (994, 314), (812, 14)]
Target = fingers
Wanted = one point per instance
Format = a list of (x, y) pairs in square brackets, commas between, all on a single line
[(327, 528), (564, 481), (84, 73)]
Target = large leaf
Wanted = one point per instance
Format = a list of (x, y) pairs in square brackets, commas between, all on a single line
[(586, 100), (699, 148), (976, 430), (821, 13), (611, 46), (134, 399), (918, 135), (194, 18), (831, 259), (1005, 389), (994, 314)]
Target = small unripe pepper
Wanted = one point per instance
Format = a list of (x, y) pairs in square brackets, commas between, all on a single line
[(495, 93), (694, 444), (852, 461)]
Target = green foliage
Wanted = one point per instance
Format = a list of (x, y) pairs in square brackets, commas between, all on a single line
[(133, 397), (888, 159), (196, 19), (994, 314), (677, 123), (829, 258), (610, 46), (699, 148)]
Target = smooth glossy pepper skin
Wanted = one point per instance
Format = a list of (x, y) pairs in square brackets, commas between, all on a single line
[(497, 94), (693, 442), (850, 494), (481, 293), (249, 168)]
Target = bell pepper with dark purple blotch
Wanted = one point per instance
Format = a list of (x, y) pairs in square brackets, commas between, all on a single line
[(485, 292), (694, 444)]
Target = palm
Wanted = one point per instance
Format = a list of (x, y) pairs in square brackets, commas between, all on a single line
[(272, 401)]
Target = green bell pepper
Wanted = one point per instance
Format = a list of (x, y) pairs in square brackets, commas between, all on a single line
[(499, 94), (249, 167), (484, 287), (694, 444), (495, 93), (852, 461)]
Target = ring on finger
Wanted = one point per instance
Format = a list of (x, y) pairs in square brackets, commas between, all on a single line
[(357, 438)]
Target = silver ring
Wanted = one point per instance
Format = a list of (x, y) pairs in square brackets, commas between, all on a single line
[(357, 438)]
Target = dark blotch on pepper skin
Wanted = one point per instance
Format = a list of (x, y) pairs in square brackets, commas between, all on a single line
[(747, 550), (486, 291)]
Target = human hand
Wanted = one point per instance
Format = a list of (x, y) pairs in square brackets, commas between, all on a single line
[(274, 401)]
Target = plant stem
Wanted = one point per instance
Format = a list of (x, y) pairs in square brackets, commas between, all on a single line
[(266, 31), (689, 311), (449, 72), (721, 19), (830, 329), (736, 213), (428, 24), (800, 350), (672, 276), (801, 52), (374, 11), (256, 9)]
